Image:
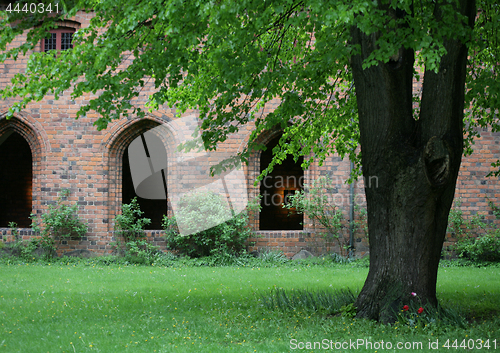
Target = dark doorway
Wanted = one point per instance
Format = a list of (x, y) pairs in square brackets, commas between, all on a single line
[(284, 180), (16, 178), (153, 209)]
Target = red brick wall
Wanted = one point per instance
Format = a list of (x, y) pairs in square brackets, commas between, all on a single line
[(72, 154)]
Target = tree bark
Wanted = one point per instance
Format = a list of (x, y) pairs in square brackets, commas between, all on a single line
[(410, 168)]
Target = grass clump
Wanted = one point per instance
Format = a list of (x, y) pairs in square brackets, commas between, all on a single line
[(331, 301)]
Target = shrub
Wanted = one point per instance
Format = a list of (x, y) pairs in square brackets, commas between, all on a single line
[(483, 248), (463, 228), (314, 202), (130, 226), (470, 243), (60, 220), (129, 223), (227, 238)]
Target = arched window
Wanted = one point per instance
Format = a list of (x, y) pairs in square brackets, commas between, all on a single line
[(284, 180), (16, 175)]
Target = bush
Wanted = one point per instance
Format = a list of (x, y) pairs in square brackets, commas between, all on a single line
[(227, 238), (470, 243), (483, 248), (315, 202), (60, 220), (462, 228), (130, 226)]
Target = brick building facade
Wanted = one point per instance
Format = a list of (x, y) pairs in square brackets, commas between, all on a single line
[(44, 150)]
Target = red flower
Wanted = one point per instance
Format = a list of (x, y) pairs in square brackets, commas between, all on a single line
[(406, 307), (420, 310)]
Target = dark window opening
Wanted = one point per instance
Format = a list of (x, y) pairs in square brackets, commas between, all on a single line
[(153, 209), (275, 188), (50, 43), (66, 39), (16, 177)]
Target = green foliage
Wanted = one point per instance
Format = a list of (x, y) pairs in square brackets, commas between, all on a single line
[(227, 238), (471, 243), (348, 310), (13, 230), (462, 227), (61, 220), (217, 54), (482, 248), (129, 225), (316, 201), (495, 209), (26, 250), (361, 224), (483, 79)]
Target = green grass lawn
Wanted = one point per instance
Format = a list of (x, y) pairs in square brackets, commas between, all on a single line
[(79, 308)]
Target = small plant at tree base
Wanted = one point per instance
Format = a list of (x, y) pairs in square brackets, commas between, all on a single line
[(348, 311), (315, 202), (227, 238), (419, 317), (130, 226)]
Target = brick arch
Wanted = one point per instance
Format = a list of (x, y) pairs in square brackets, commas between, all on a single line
[(115, 145), (118, 132), (31, 131), (67, 23), (28, 127)]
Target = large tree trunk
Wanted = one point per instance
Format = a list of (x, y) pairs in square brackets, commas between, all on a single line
[(410, 168)]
